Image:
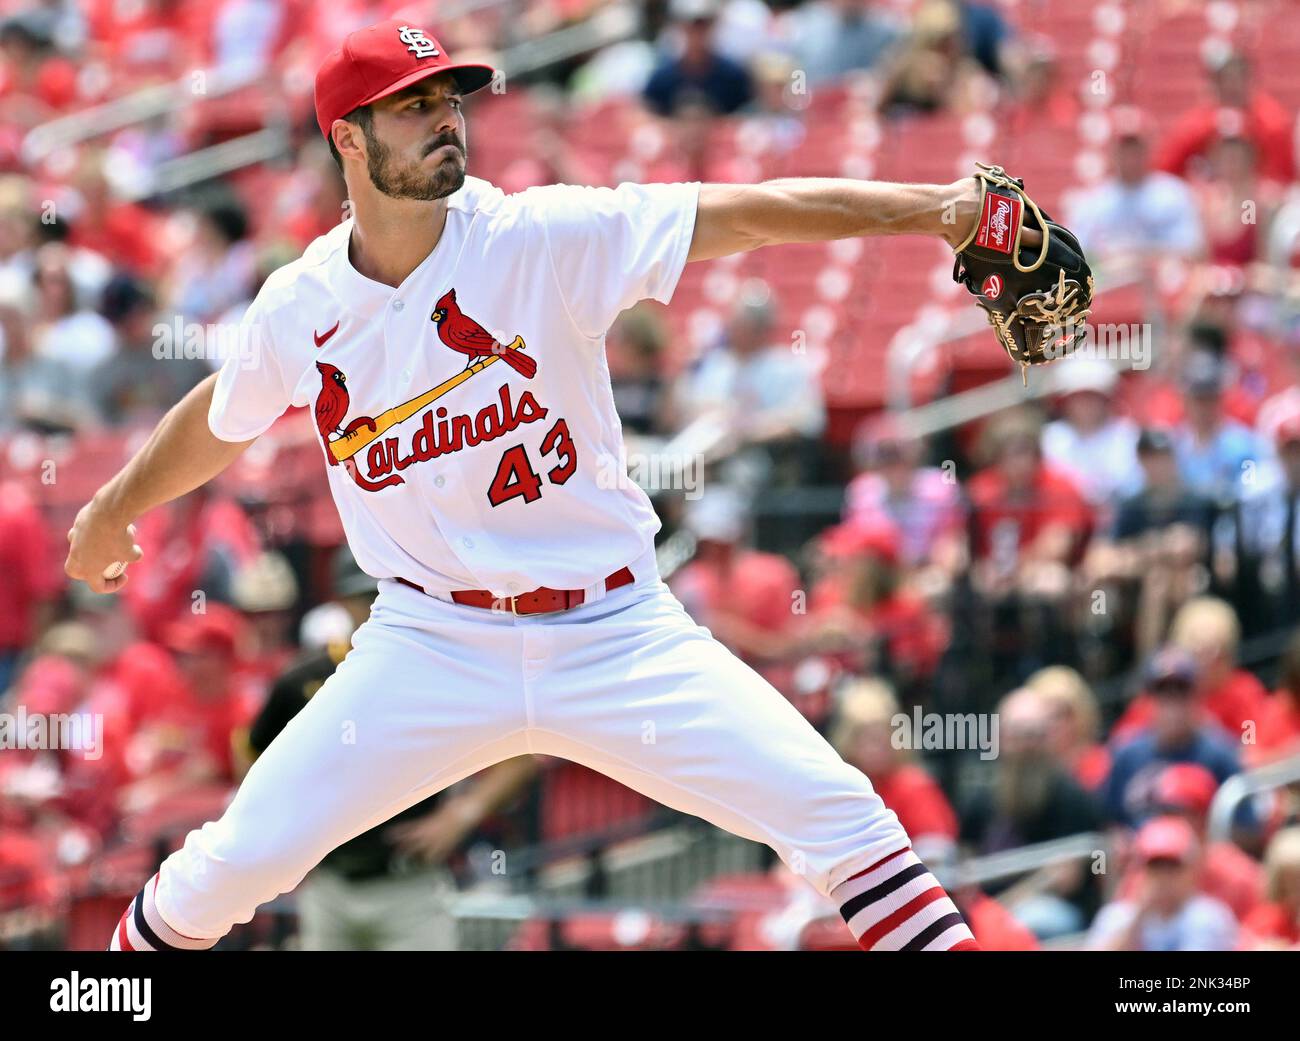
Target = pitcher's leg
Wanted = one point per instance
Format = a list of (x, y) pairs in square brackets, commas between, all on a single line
[(406, 714), (649, 698)]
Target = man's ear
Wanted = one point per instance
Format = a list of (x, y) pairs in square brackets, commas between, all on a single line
[(348, 139)]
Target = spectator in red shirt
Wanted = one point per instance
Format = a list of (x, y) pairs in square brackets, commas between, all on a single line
[(195, 543), (1207, 629), (863, 734), (1075, 724), (1029, 521), (30, 578), (124, 232), (862, 609), (1237, 108), (1275, 924), (189, 738), (1232, 191)]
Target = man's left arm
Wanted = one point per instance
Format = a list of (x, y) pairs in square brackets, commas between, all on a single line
[(736, 218)]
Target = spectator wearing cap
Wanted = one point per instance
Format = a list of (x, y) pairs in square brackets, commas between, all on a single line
[(863, 733), (1237, 108), (1163, 501), (697, 69), (1227, 873), (1089, 442), (1173, 728), (1218, 457), (922, 502), (1075, 724), (194, 543), (1033, 799), (833, 38), (1157, 543), (1208, 629), (763, 395), (1138, 211), (862, 612), (189, 736), (1168, 912), (1275, 924)]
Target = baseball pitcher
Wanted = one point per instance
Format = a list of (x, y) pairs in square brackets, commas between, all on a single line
[(449, 340)]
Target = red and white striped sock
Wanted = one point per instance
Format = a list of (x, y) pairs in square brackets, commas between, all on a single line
[(141, 927), (897, 905)]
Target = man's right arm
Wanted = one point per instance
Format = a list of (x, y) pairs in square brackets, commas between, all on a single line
[(181, 454)]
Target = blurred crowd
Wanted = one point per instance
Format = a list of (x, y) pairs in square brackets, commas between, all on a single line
[(1110, 571)]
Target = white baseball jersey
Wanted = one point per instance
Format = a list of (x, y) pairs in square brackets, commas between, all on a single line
[(466, 416)]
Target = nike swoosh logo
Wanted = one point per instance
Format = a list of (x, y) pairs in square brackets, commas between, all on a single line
[(320, 338)]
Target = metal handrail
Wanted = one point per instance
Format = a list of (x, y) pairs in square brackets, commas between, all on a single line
[(1237, 789), (979, 871), (136, 107), (206, 163)]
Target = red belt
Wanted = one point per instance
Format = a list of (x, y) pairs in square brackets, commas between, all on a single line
[(539, 601)]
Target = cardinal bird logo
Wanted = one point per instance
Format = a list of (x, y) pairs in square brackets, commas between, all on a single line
[(332, 406), (461, 333)]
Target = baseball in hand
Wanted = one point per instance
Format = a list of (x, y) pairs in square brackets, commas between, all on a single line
[(115, 569)]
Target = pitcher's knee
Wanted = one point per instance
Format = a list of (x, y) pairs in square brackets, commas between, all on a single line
[(219, 877)]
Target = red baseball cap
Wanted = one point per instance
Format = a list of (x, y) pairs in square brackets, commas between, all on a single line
[(1186, 786), (864, 537), (1166, 838), (380, 60), (218, 629)]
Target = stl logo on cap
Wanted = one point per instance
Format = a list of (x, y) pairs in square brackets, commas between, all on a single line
[(416, 42)]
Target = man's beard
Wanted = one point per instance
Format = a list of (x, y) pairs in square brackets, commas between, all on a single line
[(404, 180)]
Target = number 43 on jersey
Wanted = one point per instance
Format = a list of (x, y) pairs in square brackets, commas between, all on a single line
[(516, 477)]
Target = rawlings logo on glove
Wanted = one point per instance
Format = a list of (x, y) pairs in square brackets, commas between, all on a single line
[(1038, 304)]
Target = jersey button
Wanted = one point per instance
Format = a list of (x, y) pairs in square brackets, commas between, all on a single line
[(406, 375), (439, 481), (468, 543), (398, 305)]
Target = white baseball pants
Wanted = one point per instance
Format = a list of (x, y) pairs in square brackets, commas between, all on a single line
[(433, 692)]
